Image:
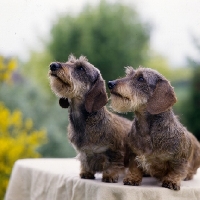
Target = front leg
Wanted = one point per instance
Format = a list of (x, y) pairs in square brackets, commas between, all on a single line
[(178, 171), (113, 166), (172, 180), (134, 174), (110, 176), (87, 175), (85, 172)]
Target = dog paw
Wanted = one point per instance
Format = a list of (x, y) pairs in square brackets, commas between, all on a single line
[(87, 175), (171, 185), (128, 181), (188, 177), (110, 179)]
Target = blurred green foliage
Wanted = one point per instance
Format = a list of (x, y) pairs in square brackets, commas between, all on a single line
[(18, 138), (111, 36), (44, 112), (191, 105), (176, 75)]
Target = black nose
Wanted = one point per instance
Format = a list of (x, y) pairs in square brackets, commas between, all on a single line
[(54, 66), (111, 84)]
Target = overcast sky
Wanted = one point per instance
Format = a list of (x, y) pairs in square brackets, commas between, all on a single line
[(23, 21)]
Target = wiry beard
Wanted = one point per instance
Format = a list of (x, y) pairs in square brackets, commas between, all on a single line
[(67, 89), (59, 88), (123, 105), (120, 104)]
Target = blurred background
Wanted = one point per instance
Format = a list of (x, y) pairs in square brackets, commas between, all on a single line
[(163, 35)]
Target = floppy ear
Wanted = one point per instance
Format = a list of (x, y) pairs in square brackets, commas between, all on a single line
[(96, 97), (63, 103), (162, 98)]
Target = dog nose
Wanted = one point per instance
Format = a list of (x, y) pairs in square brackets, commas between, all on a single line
[(54, 66), (111, 84)]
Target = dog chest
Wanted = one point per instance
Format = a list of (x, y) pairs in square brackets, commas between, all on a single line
[(154, 161), (93, 149), (142, 162)]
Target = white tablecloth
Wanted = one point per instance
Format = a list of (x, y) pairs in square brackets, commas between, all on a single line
[(58, 179)]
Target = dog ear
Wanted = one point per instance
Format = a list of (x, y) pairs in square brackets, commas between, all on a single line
[(96, 97), (162, 98), (63, 103)]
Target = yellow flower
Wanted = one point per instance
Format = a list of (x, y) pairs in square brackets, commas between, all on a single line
[(18, 140), (12, 65), (6, 69)]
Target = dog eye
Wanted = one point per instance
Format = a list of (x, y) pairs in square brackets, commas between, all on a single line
[(140, 79), (80, 68)]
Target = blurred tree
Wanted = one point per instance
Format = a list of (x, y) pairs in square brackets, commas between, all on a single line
[(36, 70), (191, 111), (18, 138), (111, 36), (192, 105), (160, 63)]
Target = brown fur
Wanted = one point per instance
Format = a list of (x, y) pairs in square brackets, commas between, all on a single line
[(158, 143), (97, 134)]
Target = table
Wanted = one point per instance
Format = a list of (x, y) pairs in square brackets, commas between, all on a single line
[(58, 179)]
